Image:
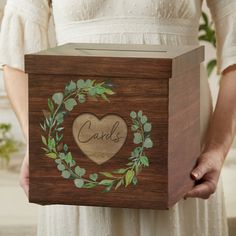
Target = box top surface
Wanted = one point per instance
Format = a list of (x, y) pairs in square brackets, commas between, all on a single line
[(168, 61), (117, 50)]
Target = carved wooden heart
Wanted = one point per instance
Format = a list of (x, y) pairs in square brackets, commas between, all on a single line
[(99, 139)]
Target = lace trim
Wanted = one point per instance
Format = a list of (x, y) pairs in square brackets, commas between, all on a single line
[(119, 25)]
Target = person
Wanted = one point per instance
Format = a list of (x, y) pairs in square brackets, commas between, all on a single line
[(170, 22)]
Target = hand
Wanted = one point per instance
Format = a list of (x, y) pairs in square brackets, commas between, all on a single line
[(206, 174), (24, 174)]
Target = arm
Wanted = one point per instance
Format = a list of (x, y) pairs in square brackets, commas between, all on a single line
[(15, 79), (23, 30), (219, 138), (223, 123)]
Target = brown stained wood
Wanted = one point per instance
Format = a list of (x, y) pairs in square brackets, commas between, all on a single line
[(44, 175), (171, 105), (97, 66), (184, 132), (99, 139), (154, 61)]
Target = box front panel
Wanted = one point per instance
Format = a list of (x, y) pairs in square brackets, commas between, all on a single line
[(85, 150)]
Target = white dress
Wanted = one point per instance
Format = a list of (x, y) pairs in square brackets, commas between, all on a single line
[(170, 22)]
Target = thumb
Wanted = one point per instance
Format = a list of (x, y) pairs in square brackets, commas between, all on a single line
[(200, 170)]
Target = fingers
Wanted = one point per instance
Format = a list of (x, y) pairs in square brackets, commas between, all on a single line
[(24, 183), (205, 165), (24, 176), (206, 174), (203, 190)]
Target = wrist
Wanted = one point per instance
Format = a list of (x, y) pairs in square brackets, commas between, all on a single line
[(25, 129), (217, 150)]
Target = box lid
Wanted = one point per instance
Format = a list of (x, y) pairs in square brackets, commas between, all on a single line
[(118, 60)]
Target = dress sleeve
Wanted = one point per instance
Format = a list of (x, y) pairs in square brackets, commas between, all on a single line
[(2, 4), (24, 29), (224, 16)]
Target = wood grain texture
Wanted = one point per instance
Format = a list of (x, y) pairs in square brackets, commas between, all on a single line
[(154, 61), (99, 138), (151, 191), (171, 105), (184, 132)]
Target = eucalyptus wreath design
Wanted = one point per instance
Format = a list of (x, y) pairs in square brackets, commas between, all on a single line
[(59, 105)]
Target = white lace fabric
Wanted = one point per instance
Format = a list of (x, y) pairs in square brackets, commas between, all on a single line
[(24, 29)]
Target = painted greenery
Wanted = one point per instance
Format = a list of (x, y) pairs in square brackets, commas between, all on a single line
[(59, 106)]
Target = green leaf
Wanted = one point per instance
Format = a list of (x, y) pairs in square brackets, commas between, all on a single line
[(73, 163), (210, 66), (147, 127), (51, 155), (109, 91), (138, 168), (104, 97), (81, 84), (119, 184), (148, 143), (80, 171), (144, 160), (107, 174), (57, 98), (60, 129), (140, 114), (128, 177), (133, 114), (134, 127), (119, 171), (106, 182), (68, 158), (130, 164), (137, 138), (51, 143), (45, 149), (143, 119), (70, 103), (135, 180), (58, 161), (59, 117), (65, 147), (79, 183), (92, 91), (205, 18), (108, 188), (81, 98), (44, 140), (93, 176), (90, 185), (61, 167), (88, 83), (100, 90), (65, 174), (136, 151), (43, 126), (71, 86), (62, 156), (50, 105)]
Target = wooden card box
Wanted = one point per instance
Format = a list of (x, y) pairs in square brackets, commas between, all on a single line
[(134, 151)]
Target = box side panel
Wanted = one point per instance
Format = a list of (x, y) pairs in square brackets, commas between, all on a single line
[(187, 61), (46, 184), (184, 132)]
